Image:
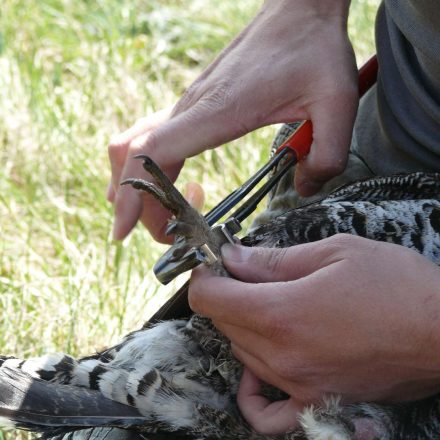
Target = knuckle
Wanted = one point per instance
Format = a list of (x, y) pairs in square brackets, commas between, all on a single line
[(115, 144), (277, 326), (325, 168), (283, 366), (342, 241), (340, 246), (215, 99), (151, 142), (234, 349), (134, 147), (221, 95), (116, 151), (188, 98), (143, 143), (194, 297), (334, 245), (275, 259)]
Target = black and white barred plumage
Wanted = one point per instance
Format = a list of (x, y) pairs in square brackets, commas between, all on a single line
[(402, 210), (180, 376)]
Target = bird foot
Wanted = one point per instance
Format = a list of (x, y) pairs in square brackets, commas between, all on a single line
[(195, 241), (187, 221)]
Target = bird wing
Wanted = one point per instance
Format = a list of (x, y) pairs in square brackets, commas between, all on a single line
[(414, 186), (38, 405)]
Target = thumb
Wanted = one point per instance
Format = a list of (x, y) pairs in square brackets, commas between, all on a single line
[(262, 265), (205, 125), (265, 416)]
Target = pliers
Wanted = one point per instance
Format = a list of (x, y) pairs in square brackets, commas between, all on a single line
[(294, 149)]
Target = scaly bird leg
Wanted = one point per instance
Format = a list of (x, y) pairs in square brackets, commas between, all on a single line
[(188, 222)]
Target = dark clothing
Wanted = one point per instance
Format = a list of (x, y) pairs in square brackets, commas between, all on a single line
[(398, 126)]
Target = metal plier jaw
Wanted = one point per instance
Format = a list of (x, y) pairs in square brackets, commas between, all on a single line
[(179, 259), (172, 263)]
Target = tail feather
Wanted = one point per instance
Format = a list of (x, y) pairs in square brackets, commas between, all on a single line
[(115, 434), (38, 405)]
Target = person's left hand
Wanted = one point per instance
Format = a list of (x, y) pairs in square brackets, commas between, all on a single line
[(344, 315)]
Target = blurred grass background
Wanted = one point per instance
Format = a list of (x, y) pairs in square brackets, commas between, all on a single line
[(72, 73)]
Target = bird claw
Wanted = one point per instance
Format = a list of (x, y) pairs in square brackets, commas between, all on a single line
[(187, 219), (195, 241)]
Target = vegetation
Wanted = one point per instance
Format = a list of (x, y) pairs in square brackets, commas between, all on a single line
[(71, 74)]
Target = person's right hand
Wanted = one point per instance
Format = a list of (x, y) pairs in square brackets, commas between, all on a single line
[(292, 62), (130, 205)]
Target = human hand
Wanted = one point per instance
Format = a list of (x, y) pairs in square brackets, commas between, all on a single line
[(345, 315), (152, 214), (292, 62)]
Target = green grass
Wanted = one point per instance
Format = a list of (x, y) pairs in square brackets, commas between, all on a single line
[(72, 73)]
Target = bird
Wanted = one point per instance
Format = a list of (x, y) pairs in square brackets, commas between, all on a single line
[(179, 379)]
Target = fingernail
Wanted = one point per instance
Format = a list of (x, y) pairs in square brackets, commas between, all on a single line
[(194, 195), (234, 253)]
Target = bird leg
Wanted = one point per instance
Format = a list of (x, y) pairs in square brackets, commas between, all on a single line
[(187, 221), (163, 190)]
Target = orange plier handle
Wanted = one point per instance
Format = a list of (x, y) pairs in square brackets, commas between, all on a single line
[(301, 139)]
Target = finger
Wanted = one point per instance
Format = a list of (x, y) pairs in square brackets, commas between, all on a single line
[(264, 416), (128, 208), (117, 155), (155, 218), (265, 279), (297, 387), (255, 343), (331, 142), (132, 205), (195, 195), (119, 158), (194, 130), (141, 126), (227, 300), (128, 202), (110, 195), (263, 265), (259, 368), (119, 144)]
